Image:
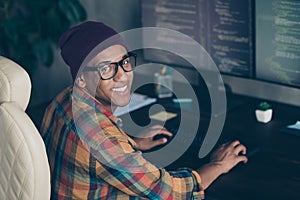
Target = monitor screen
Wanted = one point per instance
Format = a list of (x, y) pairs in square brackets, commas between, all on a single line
[(254, 44), (278, 41), (223, 28)]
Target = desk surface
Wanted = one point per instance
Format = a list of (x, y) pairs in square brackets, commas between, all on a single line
[(272, 173)]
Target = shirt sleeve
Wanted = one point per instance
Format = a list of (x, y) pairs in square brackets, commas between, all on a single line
[(122, 166), (132, 174)]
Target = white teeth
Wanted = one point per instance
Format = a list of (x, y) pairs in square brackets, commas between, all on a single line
[(121, 89)]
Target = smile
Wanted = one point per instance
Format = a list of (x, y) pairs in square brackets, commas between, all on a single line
[(120, 89)]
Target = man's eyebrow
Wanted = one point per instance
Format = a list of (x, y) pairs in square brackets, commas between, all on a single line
[(108, 62), (125, 55), (103, 63)]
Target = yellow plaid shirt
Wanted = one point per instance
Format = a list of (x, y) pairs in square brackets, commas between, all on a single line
[(92, 158)]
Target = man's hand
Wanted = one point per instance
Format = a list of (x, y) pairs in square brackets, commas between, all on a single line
[(222, 161), (146, 142), (229, 155)]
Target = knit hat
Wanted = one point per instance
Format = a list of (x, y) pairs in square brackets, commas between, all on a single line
[(78, 42)]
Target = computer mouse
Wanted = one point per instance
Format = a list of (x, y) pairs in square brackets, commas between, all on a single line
[(251, 152), (159, 136)]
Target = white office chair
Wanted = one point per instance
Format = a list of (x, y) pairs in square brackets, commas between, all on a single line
[(24, 168)]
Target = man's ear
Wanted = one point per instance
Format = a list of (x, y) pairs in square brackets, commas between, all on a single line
[(80, 81)]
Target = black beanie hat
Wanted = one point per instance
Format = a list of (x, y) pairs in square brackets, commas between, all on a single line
[(77, 42)]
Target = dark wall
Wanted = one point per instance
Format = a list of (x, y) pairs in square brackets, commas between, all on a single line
[(120, 14)]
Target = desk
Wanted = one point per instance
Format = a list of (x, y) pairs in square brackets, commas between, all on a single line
[(272, 173)]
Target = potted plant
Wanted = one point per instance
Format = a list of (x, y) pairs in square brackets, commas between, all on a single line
[(30, 29), (264, 112)]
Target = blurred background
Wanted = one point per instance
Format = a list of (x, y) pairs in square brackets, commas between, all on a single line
[(256, 53), (30, 30)]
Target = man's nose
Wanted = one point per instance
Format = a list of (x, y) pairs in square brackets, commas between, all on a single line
[(121, 75)]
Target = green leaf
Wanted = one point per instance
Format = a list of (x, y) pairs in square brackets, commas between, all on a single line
[(55, 25), (11, 30), (264, 106), (73, 10), (81, 10), (29, 28), (23, 55), (43, 51), (37, 6)]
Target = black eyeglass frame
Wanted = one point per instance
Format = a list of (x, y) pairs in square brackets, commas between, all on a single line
[(117, 64)]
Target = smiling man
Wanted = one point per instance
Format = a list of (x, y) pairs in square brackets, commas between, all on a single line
[(90, 156), (114, 90)]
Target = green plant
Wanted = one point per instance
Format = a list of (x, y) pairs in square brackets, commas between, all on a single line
[(30, 29), (264, 106)]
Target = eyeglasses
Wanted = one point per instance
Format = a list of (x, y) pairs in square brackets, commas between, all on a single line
[(109, 70)]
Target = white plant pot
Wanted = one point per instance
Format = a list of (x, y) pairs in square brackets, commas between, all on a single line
[(264, 116)]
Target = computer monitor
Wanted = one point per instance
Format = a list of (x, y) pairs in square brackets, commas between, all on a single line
[(255, 44)]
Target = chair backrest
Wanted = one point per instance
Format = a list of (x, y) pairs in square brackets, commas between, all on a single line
[(24, 168)]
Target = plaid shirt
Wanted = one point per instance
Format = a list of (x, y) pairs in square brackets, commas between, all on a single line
[(92, 158)]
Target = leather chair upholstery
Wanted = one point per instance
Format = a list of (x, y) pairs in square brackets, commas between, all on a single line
[(24, 168)]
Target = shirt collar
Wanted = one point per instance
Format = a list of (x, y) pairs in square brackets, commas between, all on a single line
[(87, 100), (90, 101)]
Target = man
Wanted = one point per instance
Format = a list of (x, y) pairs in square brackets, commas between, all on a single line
[(90, 156)]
